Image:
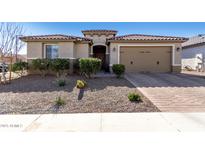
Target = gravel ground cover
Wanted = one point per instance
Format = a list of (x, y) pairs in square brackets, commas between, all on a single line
[(35, 94)]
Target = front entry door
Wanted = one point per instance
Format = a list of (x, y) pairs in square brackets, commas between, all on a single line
[(101, 56)]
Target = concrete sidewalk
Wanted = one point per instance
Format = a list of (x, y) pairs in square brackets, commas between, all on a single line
[(104, 122), (202, 74)]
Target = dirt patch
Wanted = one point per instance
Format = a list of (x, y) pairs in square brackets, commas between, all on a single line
[(35, 94)]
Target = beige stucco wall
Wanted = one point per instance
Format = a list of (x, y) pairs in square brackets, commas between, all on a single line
[(99, 39), (177, 59), (66, 50), (34, 50), (114, 54), (81, 50), (78, 50)]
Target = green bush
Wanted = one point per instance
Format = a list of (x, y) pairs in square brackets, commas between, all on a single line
[(19, 67), (89, 66), (133, 97), (59, 65), (41, 64), (59, 101), (118, 69), (81, 84), (61, 82)]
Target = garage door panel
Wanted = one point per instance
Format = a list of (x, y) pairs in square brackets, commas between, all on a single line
[(146, 59)]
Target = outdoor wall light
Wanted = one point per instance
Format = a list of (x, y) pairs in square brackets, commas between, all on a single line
[(114, 49), (178, 49)]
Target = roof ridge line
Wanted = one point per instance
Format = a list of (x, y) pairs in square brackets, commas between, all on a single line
[(147, 35), (111, 30), (55, 36)]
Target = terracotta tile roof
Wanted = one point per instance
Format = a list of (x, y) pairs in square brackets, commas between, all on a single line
[(99, 30), (199, 39), (148, 38), (53, 37), (82, 38)]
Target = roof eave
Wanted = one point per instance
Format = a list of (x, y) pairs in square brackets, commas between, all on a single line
[(47, 40), (147, 41), (99, 32), (193, 45), (84, 41)]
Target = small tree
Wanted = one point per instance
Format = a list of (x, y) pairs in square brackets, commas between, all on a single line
[(42, 65), (89, 66), (9, 43), (59, 65)]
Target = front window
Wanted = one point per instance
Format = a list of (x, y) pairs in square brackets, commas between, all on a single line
[(51, 51)]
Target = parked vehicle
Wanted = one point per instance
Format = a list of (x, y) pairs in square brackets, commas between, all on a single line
[(6, 67)]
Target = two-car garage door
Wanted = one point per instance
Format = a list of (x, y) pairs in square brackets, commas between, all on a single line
[(146, 59)]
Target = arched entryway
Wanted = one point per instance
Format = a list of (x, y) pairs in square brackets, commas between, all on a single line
[(99, 51)]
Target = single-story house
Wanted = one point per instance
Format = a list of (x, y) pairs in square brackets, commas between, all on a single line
[(139, 53), (193, 53)]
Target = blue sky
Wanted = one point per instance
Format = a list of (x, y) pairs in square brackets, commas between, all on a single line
[(185, 29)]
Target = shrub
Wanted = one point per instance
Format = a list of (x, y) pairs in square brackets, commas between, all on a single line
[(41, 65), (134, 97), (81, 84), (89, 66), (19, 67), (59, 65), (59, 101), (61, 82), (118, 69)]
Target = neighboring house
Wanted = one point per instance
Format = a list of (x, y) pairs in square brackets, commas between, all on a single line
[(139, 53), (22, 57), (7, 59), (193, 53)]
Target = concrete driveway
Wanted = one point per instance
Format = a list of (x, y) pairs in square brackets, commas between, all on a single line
[(171, 92)]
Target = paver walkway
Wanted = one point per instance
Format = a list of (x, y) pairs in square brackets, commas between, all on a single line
[(171, 92)]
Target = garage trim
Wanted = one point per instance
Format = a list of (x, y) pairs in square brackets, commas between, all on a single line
[(154, 44)]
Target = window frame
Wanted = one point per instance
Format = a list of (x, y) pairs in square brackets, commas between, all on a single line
[(45, 53)]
